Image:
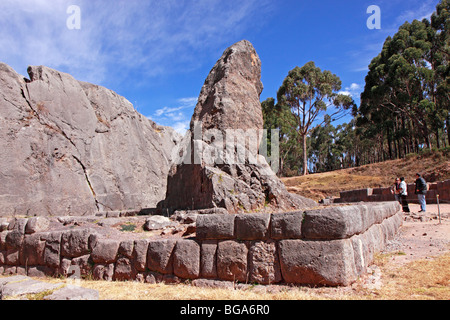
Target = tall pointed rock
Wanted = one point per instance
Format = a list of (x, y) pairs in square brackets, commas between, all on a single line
[(219, 165)]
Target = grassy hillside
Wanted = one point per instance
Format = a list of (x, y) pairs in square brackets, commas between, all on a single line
[(434, 167)]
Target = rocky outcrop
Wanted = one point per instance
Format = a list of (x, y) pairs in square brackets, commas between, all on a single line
[(74, 148), (217, 164)]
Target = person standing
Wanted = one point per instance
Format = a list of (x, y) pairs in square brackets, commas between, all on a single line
[(395, 190), (403, 191), (421, 191)]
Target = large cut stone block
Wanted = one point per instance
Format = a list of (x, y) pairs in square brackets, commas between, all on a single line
[(159, 256), (140, 252), (186, 262), (208, 259), (215, 226), (287, 225), (232, 261), (317, 262), (264, 266), (52, 251), (254, 226), (105, 251), (75, 243)]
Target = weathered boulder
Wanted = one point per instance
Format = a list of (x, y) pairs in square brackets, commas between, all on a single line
[(217, 164), (156, 223), (73, 293), (3, 224), (74, 148), (21, 285), (37, 224)]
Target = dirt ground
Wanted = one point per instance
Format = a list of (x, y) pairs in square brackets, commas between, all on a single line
[(422, 240)]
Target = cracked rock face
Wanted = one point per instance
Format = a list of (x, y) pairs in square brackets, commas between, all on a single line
[(73, 148)]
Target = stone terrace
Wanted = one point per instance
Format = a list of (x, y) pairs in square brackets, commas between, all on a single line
[(441, 189), (329, 246)]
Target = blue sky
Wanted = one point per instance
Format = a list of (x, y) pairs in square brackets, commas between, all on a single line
[(157, 53)]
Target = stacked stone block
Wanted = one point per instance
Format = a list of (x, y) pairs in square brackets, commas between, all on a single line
[(441, 188), (328, 246)]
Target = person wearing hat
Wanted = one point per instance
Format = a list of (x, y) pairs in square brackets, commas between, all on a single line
[(421, 191)]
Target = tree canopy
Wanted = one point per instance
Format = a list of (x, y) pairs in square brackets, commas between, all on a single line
[(404, 106)]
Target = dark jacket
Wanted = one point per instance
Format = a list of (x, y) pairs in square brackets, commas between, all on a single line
[(421, 186)]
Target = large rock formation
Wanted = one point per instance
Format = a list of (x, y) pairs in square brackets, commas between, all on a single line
[(73, 148), (218, 162)]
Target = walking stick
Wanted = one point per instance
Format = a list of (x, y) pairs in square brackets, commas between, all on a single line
[(439, 209)]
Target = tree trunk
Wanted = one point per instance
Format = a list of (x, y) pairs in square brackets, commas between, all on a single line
[(438, 143), (389, 143), (305, 156), (448, 130)]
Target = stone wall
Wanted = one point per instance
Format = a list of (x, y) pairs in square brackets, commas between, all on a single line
[(441, 188), (328, 246)]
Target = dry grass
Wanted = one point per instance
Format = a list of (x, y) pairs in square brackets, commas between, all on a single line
[(142, 291), (329, 184), (418, 280)]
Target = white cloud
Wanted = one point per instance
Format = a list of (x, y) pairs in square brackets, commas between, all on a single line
[(181, 127), (176, 117), (119, 40), (188, 102), (347, 93), (354, 91), (423, 12), (34, 32), (354, 87), (166, 110)]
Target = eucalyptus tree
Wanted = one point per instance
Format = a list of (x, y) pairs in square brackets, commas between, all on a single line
[(308, 92), (407, 87)]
